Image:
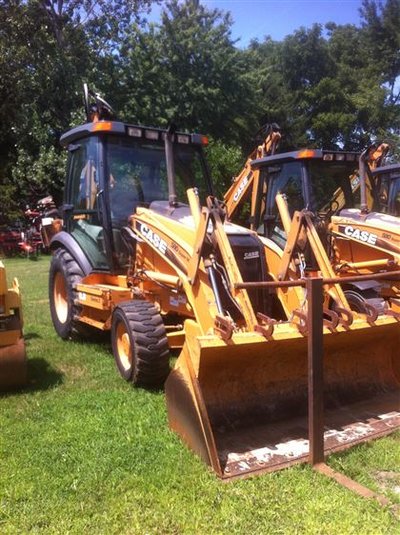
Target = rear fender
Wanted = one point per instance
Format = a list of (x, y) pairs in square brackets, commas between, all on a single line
[(364, 285), (66, 241)]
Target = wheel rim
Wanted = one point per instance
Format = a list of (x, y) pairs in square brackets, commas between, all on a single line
[(124, 347), (60, 297)]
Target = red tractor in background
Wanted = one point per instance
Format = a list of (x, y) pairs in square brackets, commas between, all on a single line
[(27, 236)]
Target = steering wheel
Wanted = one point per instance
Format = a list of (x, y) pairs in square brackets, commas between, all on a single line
[(333, 207)]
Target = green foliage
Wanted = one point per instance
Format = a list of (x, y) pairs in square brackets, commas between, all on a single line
[(39, 175), (381, 35), (270, 104), (326, 90), (305, 60), (9, 208), (186, 70), (47, 49), (225, 162), (335, 87)]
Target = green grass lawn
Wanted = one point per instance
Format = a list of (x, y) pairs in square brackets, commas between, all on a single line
[(81, 451)]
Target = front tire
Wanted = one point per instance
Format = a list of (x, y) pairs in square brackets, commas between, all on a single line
[(140, 344), (65, 272)]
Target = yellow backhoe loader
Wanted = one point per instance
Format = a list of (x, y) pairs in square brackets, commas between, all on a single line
[(357, 240), (13, 365), (246, 186), (146, 253)]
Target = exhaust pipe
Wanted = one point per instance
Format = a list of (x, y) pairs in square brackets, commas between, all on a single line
[(169, 156), (363, 181)]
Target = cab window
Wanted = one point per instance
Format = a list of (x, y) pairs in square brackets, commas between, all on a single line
[(395, 197), (137, 175), (285, 179), (82, 194), (334, 185)]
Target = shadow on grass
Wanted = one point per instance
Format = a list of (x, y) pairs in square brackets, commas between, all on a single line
[(31, 336), (92, 337), (42, 376)]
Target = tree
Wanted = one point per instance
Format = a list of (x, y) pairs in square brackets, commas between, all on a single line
[(269, 99), (225, 162), (323, 90), (381, 35), (47, 49), (335, 87), (187, 70)]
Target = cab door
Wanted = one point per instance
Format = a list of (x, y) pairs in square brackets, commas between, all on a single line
[(288, 179), (83, 199)]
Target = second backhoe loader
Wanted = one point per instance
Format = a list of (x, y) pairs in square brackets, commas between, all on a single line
[(357, 239), (146, 253)]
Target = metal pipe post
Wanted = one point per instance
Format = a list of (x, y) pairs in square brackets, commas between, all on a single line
[(315, 352)]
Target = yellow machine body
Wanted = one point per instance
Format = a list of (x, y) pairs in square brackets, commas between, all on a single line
[(13, 365), (367, 244)]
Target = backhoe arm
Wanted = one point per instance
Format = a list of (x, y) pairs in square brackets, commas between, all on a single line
[(249, 177)]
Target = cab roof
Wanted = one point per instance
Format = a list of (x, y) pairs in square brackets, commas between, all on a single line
[(392, 170), (306, 154), (133, 131)]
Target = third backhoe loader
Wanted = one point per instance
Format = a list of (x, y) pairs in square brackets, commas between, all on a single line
[(146, 253)]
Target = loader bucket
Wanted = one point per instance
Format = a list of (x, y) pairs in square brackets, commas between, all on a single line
[(242, 404), (13, 365)]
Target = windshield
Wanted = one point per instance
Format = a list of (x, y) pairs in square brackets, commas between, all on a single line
[(334, 185), (395, 197), (330, 187), (286, 179), (137, 174)]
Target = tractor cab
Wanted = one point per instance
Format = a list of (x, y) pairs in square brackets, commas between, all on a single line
[(113, 169), (323, 182)]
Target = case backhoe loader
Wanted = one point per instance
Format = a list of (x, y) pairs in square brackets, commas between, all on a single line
[(358, 241), (13, 365), (146, 253), (246, 185)]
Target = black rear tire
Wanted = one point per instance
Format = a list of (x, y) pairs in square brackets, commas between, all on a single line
[(140, 344), (65, 272)]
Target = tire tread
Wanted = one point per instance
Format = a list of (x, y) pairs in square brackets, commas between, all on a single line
[(150, 343)]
